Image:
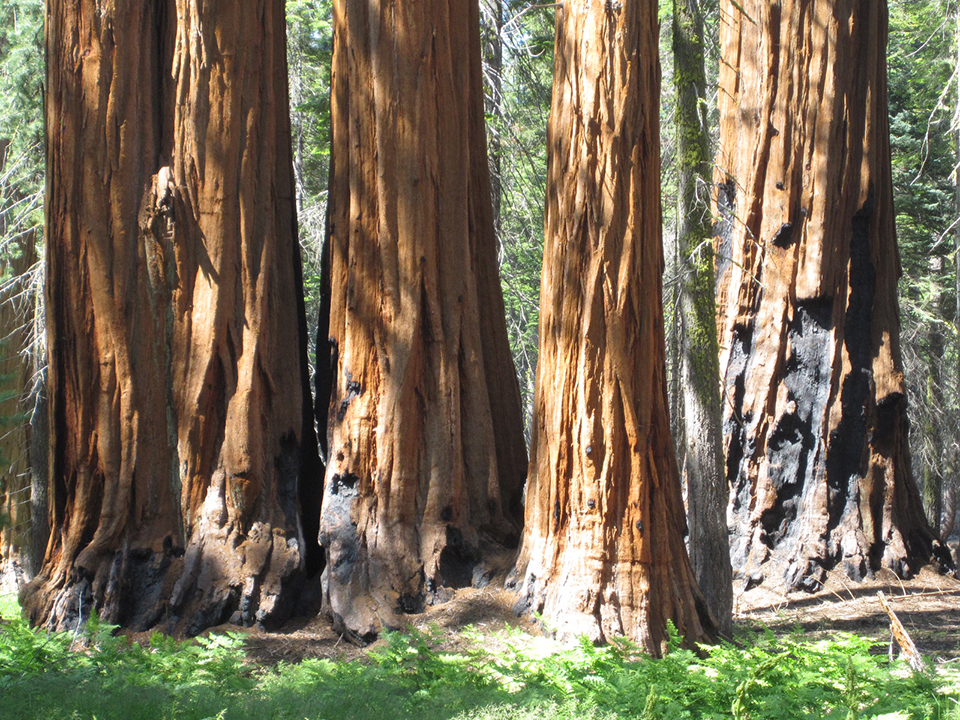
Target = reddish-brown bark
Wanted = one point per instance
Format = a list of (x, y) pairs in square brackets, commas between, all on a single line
[(425, 447), (177, 371), (814, 400), (603, 551)]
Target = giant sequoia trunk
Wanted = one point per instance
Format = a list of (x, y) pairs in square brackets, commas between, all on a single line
[(426, 458), (707, 490), (603, 552), (176, 333), (815, 412)]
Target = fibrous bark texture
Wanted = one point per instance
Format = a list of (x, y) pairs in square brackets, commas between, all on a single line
[(603, 553), (815, 412), (707, 489), (177, 373), (426, 459)]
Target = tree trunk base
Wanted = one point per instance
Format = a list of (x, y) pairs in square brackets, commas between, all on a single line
[(572, 610), (360, 612), (180, 593), (810, 574)]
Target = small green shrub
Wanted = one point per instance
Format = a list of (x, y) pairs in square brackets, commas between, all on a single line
[(9, 607)]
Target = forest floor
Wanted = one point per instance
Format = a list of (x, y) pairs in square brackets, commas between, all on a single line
[(928, 605)]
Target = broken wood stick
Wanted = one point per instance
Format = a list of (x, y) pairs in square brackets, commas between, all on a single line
[(899, 632)]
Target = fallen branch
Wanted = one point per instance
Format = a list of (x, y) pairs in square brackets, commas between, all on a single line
[(924, 593), (907, 648)]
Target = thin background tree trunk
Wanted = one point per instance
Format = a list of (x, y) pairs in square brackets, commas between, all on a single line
[(492, 27), (933, 431), (707, 489), (18, 555)]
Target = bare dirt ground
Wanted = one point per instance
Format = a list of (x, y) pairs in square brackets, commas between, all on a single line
[(928, 606), (486, 612)]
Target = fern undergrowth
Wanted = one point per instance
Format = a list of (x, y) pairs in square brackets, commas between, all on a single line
[(97, 674)]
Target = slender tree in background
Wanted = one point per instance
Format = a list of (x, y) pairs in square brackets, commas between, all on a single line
[(309, 51), (922, 91), (707, 489), (518, 69), (179, 406), (491, 24), (814, 399), (952, 499), (603, 552), (22, 512), (19, 553), (933, 430), (426, 458)]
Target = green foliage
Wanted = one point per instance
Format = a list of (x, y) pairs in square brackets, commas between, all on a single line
[(923, 134), (21, 127), (518, 87), (920, 61), (518, 74), (97, 674), (21, 82), (21, 209), (9, 607), (309, 54)]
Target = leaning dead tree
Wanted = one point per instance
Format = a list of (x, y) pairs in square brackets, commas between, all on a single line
[(179, 405), (426, 456), (815, 411), (603, 552)]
